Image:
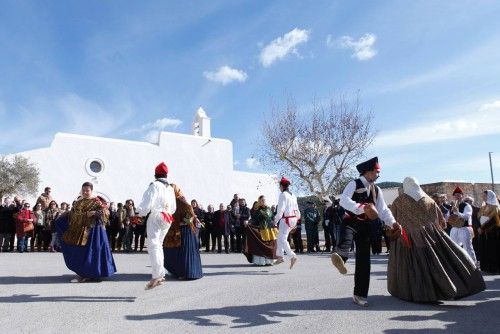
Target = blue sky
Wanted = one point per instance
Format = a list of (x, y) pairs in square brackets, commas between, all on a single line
[(429, 71)]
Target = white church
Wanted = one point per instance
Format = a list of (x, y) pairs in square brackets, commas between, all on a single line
[(202, 166)]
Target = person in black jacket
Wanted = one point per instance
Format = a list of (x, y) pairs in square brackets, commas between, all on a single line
[(6, 223), (243, 217), (210, 235), (200, 214)]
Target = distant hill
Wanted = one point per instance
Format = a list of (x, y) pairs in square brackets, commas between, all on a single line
[(388, 184)]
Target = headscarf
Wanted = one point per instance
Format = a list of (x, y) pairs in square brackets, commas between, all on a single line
[(491, 198), (412, 188)]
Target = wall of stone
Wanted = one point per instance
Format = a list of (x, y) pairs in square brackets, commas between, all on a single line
[(475, 190)]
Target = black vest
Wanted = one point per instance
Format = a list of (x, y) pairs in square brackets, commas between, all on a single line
[(461, 208), (360, 196)]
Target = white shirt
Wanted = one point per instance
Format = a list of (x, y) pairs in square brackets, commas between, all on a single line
[(157, 198), (347, 203), (287, 206), (467, 214)]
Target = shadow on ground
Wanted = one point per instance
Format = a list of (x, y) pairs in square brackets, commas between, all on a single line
[(67, 278), (246, 316), (73, 299)]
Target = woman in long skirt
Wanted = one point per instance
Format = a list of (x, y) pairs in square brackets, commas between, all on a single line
[(260, 245), (489, 234), (425, 265), (84, 243), (181, 246)]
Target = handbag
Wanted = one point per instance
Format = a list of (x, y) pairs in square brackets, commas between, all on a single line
[(28, 226)]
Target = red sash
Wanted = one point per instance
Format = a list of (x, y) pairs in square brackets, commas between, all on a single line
[(167, 217), (287, 219)]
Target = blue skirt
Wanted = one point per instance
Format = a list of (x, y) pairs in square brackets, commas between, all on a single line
[(91, 261), (184, 261)]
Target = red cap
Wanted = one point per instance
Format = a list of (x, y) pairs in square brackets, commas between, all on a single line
[(377, 167), (161, 169), (458, 190), (284, 181)]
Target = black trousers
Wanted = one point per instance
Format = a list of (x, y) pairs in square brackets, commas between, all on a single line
[(219, 243), (328, 241), (297, 241), (209, 234), (360, 233)]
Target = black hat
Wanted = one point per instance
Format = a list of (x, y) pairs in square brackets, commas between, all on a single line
[(368, 166)]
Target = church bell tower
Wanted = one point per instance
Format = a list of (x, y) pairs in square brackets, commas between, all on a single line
[(201, 124)]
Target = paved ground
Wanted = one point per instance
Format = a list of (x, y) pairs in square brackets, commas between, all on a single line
[(36, 296)]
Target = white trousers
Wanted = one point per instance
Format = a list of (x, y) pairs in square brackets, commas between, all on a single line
[(463, 237), (282, 245), (157, 229)]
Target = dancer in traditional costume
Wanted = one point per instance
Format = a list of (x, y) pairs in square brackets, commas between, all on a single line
[(425, 265), (159, 202), (364, 203), (461, 214), (287, 214), (181, 245), (84, 242), (261, 235), (489, 234)]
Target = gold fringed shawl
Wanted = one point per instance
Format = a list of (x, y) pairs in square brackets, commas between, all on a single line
[(79, 224), (493, 213), (183, 215)]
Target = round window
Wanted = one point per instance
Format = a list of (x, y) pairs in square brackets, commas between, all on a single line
[(95, 166)]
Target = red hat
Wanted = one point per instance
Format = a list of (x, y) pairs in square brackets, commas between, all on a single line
[(161, 169), (284, 181), (458, 190)]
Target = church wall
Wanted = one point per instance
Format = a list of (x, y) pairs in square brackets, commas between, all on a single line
[(203, 169)]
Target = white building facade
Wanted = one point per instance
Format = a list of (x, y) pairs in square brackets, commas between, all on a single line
[(200, 165)]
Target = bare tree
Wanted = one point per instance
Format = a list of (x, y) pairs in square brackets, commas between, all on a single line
[(18, 176), (320, 147)]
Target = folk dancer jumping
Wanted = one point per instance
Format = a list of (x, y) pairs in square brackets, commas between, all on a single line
[(363, 202)]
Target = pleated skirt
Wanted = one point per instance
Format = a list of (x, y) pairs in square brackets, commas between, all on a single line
[(436, 270), (184, 261)]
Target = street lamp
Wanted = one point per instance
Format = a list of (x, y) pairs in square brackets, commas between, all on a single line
[(491, 170)]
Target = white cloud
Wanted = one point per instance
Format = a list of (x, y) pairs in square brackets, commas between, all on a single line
[(152, 137), (83, 116), (363, 47), (66, 113), (330, 42), (152, 130), (282, 46), (485, 120), (252, 163), (225, 75), (162, 123), (478, 62)]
